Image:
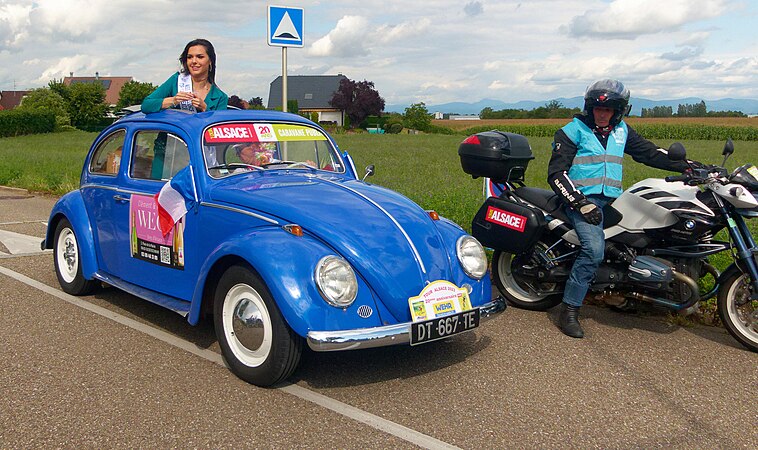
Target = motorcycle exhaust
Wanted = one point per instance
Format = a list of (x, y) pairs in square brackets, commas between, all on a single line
[(668, 303)]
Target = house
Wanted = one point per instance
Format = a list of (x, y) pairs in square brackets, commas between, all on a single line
[(112, 85), (11, 99), (312, 92)]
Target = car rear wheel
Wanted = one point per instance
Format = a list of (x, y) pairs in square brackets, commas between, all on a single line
[(256, 342), (68, 265)]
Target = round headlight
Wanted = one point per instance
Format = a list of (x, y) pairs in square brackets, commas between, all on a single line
[(336, 281), (472, 257)]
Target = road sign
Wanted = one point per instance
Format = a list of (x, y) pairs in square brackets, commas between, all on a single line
[(285, 26)]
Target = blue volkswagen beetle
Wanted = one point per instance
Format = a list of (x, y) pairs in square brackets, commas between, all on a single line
[(258, 219)]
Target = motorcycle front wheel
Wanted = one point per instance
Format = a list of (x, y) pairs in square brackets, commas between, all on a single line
[(738, 313), (519, 292)]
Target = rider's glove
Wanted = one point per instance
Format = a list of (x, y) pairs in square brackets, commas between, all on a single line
[(588, 210)]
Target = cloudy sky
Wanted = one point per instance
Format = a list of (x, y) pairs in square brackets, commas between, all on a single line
[(431, 51)]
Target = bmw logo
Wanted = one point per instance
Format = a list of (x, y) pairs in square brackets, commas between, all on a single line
[(689, 224)]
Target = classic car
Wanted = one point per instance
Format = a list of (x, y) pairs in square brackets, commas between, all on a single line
[(257, 219)]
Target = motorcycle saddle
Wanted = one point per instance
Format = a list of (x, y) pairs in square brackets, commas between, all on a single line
[(552, 204)]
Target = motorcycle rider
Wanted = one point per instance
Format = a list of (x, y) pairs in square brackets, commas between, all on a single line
[(585, 170)]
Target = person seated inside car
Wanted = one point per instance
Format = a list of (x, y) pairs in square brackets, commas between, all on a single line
[(256, 153)]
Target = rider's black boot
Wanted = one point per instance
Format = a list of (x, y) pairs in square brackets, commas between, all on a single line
[(569, 321)]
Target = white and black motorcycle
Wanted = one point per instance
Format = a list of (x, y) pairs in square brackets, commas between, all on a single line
[(659, 235)]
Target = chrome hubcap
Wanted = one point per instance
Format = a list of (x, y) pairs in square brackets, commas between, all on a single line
[(247, 324), (67, 255)]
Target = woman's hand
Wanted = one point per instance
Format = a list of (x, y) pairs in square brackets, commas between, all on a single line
[(198, 103)]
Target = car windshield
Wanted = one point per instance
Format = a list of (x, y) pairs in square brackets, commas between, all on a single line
[(235, 148)]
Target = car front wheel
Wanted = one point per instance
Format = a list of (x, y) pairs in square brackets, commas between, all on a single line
[(68, 264), (256, 342)]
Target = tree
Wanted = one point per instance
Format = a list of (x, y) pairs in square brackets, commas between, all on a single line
[(256, 103), (236, 102), (48, 100), (132, 93), (417, 117), (86, 106), (358, 99), (61, 89)]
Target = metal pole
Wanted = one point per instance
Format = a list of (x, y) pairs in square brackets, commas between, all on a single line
[(284, 79)]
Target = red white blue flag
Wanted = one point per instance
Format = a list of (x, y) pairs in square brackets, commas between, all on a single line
[(175, 199)]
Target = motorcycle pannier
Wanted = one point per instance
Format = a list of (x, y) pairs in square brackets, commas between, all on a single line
[(503, 224), (498, 155)]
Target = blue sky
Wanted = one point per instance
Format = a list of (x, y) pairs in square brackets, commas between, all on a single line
[(430, 51)]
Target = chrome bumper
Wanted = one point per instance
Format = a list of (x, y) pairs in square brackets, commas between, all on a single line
[(330, 341)]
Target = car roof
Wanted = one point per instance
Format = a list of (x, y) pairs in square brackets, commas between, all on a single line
[(200, 121)]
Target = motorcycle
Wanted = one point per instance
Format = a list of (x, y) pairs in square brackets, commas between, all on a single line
[(659, 234)]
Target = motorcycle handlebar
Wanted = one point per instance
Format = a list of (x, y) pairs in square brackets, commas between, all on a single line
[(673, 178)]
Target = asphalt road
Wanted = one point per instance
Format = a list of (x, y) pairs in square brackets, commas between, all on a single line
[(111, 370)]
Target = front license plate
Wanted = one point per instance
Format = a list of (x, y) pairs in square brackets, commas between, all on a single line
[(442, 327)]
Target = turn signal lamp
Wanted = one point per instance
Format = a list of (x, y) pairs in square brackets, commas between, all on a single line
[(433, 214), (293, 229)]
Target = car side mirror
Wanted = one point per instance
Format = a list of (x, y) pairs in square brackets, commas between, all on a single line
[(677, 152), (369, 172)]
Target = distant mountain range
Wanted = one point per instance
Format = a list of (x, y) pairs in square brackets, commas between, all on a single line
[(747, 106)]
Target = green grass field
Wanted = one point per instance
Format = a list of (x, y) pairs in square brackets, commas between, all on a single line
[(425, 168)]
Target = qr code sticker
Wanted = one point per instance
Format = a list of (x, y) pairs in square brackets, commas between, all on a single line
[(165, 255)]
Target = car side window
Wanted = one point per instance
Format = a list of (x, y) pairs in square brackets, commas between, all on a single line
[(106, 159), (158, 155)]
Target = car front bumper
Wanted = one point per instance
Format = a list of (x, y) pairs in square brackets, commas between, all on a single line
[(330, 341)]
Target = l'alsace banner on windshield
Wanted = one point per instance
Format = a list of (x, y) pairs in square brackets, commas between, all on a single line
[(260, 132)]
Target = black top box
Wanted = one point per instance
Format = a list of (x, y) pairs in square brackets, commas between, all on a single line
[(498, 155)]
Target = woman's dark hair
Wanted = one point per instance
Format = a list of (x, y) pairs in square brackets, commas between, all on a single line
[(211, 54)]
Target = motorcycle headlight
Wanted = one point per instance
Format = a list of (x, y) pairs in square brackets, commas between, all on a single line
[(472, 257), (336, 281)]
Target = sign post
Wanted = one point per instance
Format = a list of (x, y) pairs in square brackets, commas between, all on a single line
[(285, 29)]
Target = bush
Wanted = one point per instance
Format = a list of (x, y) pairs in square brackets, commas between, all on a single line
[(394, 128), (17, 122), (46, 99)]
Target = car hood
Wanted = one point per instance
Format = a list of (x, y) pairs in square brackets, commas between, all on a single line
[(389, 240)]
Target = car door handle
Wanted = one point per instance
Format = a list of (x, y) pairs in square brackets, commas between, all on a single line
[(120, 198)]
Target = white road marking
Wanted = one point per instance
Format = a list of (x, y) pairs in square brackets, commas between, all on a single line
[(374, 421), (19, 243)]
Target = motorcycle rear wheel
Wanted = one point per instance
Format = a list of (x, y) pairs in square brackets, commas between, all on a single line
[(738, 313), (519, 292)]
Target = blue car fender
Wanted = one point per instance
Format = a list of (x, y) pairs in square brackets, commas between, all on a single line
[(286, 263), (71, 206)]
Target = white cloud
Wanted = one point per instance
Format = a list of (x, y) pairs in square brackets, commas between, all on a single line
[(345, 40), (630, 18)]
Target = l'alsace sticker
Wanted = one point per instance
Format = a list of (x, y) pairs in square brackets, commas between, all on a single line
[(505, 219), (438, 299), (260, 132)]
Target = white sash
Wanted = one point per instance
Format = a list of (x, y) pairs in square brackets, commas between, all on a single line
[(184, 84)]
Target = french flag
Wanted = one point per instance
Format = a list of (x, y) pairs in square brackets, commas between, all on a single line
[(175, 199)]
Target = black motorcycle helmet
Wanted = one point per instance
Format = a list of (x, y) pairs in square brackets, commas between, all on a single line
[(609, 94)]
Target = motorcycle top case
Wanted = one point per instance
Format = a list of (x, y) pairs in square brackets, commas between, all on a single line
[(503, 224), (497, 155)]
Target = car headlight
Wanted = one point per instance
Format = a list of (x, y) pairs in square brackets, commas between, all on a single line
[(336, 281), (472, 257)]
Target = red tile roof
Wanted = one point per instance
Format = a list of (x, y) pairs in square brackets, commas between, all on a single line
[(112, 85)]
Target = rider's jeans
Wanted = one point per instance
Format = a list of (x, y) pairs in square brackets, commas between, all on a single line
[(590, 255)]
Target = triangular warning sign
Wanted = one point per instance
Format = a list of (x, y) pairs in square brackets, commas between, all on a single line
[(286, 29)]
